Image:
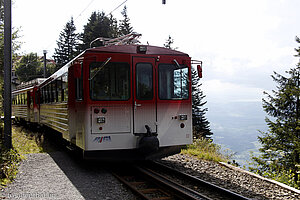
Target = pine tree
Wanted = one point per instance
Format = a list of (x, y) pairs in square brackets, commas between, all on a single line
[(201, 126), (280, 151), (125, 27), (114, 29), (99, 25), (66, 45)]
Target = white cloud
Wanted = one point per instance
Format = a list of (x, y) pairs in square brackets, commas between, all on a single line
[(217, 91)]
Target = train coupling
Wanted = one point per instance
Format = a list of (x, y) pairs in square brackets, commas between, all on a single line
[(148, 142)]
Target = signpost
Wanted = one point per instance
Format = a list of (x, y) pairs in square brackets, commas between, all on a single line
[(7, 74)]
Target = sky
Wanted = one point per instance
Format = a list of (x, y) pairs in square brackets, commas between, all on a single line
[(241, 42)]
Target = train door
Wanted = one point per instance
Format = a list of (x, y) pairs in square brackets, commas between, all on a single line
[(144, 101)]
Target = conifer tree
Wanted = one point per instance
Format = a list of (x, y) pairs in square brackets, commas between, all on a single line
[(99, 25), (201, 126), (125, 26), (280, 151), (66, 45)]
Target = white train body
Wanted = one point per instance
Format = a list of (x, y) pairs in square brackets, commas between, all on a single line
[(120, 102)]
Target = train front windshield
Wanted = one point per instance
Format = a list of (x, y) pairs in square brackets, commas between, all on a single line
[(173, 82), (112, 81), (109, 81)]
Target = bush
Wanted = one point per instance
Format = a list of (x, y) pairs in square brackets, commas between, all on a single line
[(205, 149), (9, 162)]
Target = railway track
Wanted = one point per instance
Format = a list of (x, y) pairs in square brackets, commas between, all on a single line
[(152, 180)]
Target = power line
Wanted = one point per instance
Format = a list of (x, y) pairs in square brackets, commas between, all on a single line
[(84, 10), (116, 7)]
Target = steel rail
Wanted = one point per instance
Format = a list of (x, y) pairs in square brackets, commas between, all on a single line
[(199, 181), (144, 193), (159, 184), (177, 190)]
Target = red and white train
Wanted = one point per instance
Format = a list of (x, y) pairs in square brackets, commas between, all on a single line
[(115, 102)]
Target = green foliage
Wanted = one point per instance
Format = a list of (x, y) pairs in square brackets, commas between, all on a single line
[(99, 25), (271, 170), (9, 162), (15, 46), (280, 151), (125, 27), (201, 126), (67, 45), (29, 67), (205, 149), (24, 141)]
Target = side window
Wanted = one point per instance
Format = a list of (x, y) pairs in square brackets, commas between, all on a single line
[(48, 93), (53, 91), (25, 98), (173, 82), (59, 89), (64, 93), (41, 94), (79, 86)]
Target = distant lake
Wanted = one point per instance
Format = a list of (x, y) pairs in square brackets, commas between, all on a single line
[(235, 126)]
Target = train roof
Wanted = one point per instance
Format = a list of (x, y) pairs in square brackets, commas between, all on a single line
[(134, 49), (126, 49)]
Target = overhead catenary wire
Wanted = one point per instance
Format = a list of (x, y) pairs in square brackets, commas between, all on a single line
[(80, 14)]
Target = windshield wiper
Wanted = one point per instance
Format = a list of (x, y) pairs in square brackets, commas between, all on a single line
[(176, 63), (101, 67)]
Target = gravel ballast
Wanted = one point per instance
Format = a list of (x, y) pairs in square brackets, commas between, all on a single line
[(232, 178), (59, 176)]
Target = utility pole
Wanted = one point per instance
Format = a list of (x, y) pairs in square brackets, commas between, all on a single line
[(45, 62), (7, 74)]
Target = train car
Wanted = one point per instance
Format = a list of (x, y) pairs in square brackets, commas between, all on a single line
[(127, 102), (25, 101)]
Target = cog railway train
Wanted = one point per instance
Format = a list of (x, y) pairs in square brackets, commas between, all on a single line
[(115, 102)]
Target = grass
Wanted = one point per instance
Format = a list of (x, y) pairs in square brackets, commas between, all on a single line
[(24, 141), (206, 150)]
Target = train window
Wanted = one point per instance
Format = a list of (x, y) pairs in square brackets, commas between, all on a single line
[(41, 95), (173, 82), (59, 89), (53, 91), (109, 82), (144, 81), (48, 93), (29, 102), (65, 87), (79, 86)]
